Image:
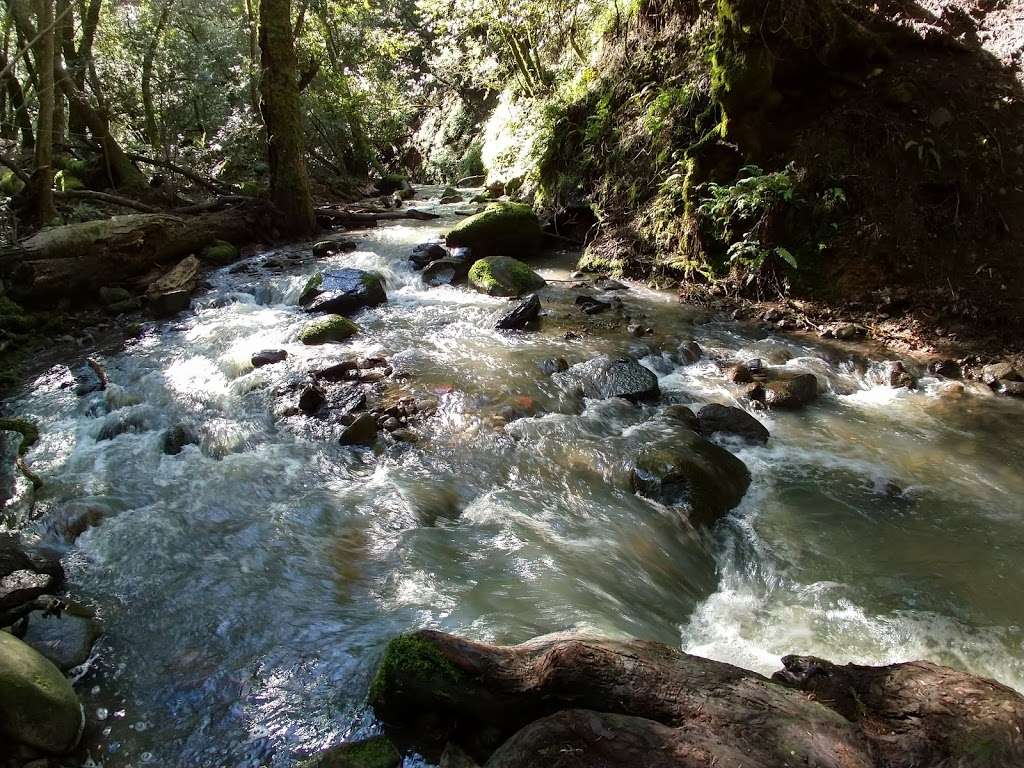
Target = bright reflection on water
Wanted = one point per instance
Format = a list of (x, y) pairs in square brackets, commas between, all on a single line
[(249, 583)]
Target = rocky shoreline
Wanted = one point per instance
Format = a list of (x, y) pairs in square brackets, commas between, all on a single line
[(573, 700)]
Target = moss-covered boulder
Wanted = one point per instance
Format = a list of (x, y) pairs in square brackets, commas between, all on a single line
[(38, 706), (220, 252), (374, 752), (511, 229), (411, 670), (331, 329), (692, 473), (504, 276)]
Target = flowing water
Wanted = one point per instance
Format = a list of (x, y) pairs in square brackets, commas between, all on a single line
[(249, 584)]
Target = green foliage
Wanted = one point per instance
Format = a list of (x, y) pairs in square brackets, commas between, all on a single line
[(739, 215)]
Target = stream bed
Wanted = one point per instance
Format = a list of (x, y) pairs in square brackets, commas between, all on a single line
[(248, 584)]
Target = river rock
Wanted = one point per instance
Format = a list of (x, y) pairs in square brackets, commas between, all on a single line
[(66, 638), (112, 295), (900, 377), (992, 374), (504, 276), (172, 293), (424, 253), (177, 437), (591, 306), (38, 706), (87, 380), (501, 229), (790, 390), (690, 352), (748, 372), (220, 253), (693, 473), (518, 318), (374, 752), (947, 369), (325, 248), (715, 418), (21, 586), (329, 330), (269, 357), (445, 271), (362, 431), (311, 400), (1011, 388), (606, 377), (343, 291)]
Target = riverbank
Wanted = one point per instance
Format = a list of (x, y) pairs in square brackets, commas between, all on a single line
[(285, 561)]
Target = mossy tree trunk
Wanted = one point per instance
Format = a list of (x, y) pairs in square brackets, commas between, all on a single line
[(152, 131), (45, 212), (282, 116)]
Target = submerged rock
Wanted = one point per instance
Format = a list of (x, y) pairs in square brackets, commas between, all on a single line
[(591, 306), (374, 752), (521, 316), (500, 229), (66, 638), (554, 365), (445, 271), (693, 473), (343, 291), (38, 706), (734, 421), (503, 276), (331, 329), (605, 377), (177, 437)]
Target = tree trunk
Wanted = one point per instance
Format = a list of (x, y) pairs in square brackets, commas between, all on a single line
[(579, 702), (76, 260), (152, 131), (282, 115), (45, 212), (19, 108)]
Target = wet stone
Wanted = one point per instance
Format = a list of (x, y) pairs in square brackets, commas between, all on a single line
[(21, 586), (269, 357)]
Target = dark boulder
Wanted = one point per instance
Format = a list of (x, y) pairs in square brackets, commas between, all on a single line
[(690, 352), (790, 390), (23, 585), (604, 377), (734, 421), (748, 372), (311, 400), (694, 474), (424, 253), (947, 369), (326, 248), (591, 306), (177, 437), (343, 291), (520, 317), (445, 272), (900, 377), (554, 365), (362, 431), (269, 357), (683, 415), (65, 637)]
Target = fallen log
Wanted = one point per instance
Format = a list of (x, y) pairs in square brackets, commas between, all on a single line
[(75, 261), (372, 215), (567, 700)]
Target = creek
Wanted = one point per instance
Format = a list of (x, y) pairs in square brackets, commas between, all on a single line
[(249, 584)]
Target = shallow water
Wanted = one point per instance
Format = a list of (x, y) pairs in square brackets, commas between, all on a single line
[(249, 584)]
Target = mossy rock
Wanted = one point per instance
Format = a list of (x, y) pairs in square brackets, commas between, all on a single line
[(12, 317), (10, 185), (374, 752), (28, 430), (221, 252), (500, 229), (412, 669), (331, 329), (38, 706), (504, 276)]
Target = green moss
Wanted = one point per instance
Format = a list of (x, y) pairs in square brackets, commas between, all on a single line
[(409, 662), (29, 432), (13, 317), (502, 228), (374, 752), (10, 184), (330, 329), (313, 284), (503, 276), (220, 252), (65, 181)]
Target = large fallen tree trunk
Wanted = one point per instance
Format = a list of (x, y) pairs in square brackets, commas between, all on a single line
[(75, 261), (565, 700), (364, 216)]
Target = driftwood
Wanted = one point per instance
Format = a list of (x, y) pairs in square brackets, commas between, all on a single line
[(566, 700), (371, 215), (75, 260)]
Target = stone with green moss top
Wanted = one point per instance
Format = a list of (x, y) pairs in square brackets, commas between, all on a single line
[(220, 252), (504, 276), (29, 432), (374, 752), (411, 666), (38, 706), (501, 228), (331, 329)]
